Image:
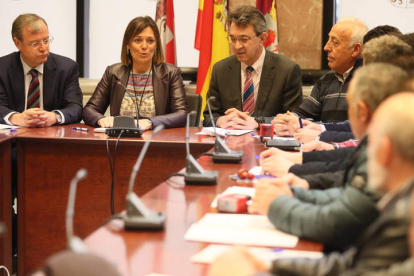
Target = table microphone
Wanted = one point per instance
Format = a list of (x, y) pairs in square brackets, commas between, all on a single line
[(125, 123), (222, 153), (138, 216), (75, 244), (194, 173)]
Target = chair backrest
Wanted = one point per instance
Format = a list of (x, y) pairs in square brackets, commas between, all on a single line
[(194, 104)]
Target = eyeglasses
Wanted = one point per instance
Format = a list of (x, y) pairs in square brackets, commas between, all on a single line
[(38, 43), (242, 39)]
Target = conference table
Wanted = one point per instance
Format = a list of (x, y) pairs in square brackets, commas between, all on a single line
[(166, 252), (48, 158), (6, 138)]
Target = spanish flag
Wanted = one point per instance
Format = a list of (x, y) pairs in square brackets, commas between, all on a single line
[(268, 8), (211, 41), (164, 17)]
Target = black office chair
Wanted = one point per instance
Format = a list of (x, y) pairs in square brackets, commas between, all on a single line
[(194, 104)]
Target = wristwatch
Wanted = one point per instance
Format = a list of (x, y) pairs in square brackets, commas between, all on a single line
[(58, 117), (259, 120)]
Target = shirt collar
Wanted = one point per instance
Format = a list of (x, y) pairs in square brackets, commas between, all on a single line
[(258, 65), (342, 78), (388, 197), (27, 68)]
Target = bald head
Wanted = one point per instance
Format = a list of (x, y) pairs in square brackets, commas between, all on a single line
[(394, 119)]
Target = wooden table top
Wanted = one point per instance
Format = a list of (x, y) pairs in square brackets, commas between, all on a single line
[(166, 252)]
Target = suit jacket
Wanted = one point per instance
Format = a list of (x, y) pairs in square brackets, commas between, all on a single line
[(171, 105), (61, 89), (382, 249), (280, 87)]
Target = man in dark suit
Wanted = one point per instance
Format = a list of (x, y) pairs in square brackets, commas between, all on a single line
[(37, 88), (253, 85)]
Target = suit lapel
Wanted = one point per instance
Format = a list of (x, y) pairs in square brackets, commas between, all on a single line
[(234, 83), (266, 80), (16, 76), (49, 81)]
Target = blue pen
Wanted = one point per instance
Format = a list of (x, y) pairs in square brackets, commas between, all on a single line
[(277, 249), (13, 129), (257, 157), (300, 122), (80, 128)]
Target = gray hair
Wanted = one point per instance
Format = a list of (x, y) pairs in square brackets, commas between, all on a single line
[(23, 20), (245, 15), (375, 82), (358, 30), (376, 45)]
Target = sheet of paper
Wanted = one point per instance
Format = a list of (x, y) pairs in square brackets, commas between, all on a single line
[(234, 190), (223, 132), (4, 126), (211, 252), (256, 170), (239, 229), (100, 129)]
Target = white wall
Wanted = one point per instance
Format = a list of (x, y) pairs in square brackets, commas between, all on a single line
[(60, 16), (108, 21), (380, 12)]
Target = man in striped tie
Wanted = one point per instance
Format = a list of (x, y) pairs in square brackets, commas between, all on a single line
[(254, 84), (37, 88)]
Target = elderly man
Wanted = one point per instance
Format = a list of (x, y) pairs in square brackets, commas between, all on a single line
[(253, 85), (335, 216), (382, 249), (327, 101), (37, 88)]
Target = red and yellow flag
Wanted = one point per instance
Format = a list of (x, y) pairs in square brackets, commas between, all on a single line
[(164, 17), (268, 8), (211, 40)]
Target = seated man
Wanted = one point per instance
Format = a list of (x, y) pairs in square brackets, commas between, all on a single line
[(378, 80), (335, 216), (253, 85), (327, 101), (382, 249), (37, 88)]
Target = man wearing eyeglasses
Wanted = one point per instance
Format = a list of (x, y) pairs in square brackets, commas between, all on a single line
[(253, 85), (37, 88)]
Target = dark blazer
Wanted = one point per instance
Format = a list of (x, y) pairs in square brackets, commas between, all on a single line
[(171, 105), (280, 87), (61, 89)]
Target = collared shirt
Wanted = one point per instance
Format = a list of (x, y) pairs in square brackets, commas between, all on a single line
[(256, 74), (346, 144), (342, 78), (27, 80)]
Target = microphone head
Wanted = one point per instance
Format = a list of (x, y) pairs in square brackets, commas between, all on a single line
[(81, 174), (212, 98)]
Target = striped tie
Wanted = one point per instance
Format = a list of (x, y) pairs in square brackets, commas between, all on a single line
[(248, 92), (33, 97)]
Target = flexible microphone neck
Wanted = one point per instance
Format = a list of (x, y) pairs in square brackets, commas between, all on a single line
[(141, 158), (134, 100), (70, 210), (212, 98), (187, 134)]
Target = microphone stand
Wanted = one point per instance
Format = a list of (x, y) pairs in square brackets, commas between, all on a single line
[(222, 153), (75, 244), (194, 173), (138, 216)]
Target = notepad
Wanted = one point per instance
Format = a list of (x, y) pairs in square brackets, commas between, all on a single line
[(211, 252), (239, 229), (223, 132)]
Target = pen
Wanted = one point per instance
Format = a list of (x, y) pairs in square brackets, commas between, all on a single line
[(80, 128), (300, 122), (257, 157), (13, 129)]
